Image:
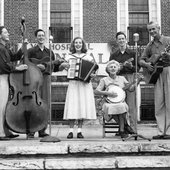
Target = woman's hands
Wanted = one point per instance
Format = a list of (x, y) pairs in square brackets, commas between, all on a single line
[(111, 94), (65, 66)]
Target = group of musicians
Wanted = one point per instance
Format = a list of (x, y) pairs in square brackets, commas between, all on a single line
[(80, 104)]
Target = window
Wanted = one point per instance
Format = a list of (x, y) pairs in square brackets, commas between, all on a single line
[(60, 19), (138, 19)]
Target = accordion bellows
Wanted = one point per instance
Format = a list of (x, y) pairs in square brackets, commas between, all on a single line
[(81, 69)]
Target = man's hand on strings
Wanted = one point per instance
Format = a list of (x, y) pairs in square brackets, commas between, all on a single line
[(149, 66)]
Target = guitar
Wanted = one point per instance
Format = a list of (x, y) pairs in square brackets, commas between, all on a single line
[(151, 77)]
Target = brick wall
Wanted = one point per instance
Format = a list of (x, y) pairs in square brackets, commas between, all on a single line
[(165, 17), (14, 10), (99, 20)]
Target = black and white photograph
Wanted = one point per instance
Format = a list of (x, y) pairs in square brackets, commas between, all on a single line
[(85, 84)]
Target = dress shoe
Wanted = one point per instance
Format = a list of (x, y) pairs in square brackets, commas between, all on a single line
[(4, 138), (123, 134), (166, 137), (30, 135), (129, 130), (70, 135), (41, 135), (158, 137), (12, 136), (79, 135)]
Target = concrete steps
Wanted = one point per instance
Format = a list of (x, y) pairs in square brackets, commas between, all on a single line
[(88, 154)]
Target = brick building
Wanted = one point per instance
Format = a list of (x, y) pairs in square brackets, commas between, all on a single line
[(96, 20)]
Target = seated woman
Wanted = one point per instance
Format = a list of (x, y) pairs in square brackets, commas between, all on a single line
[(117, 111)]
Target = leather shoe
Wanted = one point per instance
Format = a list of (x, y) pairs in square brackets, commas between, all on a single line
[(41, 135), (129, 130), (158, 137), (30, 135), (123, 135), (79, 135), (12, 136), (70, 135), (4, 138), (166, 137)]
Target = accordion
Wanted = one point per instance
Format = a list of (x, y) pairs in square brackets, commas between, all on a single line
[(81, 69)]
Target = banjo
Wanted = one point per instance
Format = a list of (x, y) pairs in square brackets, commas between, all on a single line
[(121, 95)]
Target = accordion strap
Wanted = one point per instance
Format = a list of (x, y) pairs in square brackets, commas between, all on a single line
[(77, 57), (83, 57)]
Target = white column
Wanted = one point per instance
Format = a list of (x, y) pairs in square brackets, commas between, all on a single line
[(122, 15), (77, 17), (2, 12), (40, 14)]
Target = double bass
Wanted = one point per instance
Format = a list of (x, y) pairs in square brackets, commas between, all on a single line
[(26, 112)]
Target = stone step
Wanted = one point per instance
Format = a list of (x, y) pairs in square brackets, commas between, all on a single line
[(85, 154), (74, 163), (85, 146), (92, 152)]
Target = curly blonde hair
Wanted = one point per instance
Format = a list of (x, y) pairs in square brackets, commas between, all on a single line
[(112, 62)]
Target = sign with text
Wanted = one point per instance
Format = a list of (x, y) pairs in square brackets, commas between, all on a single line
[(100, 51)]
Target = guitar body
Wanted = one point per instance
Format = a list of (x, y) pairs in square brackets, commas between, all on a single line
[(152, 77)]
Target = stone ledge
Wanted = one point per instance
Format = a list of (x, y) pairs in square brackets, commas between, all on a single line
[(9, 164), (86, 147), (87, 163), (121, 147), (109, 162), (42, 149)]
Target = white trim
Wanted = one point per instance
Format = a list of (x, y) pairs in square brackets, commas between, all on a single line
[(2, 12), (126, 15), (48, 19), (156, 17), (159, 11), (149, 6), (77, 29), (118, 14), (40, 14), (81, 18), (72, 16)]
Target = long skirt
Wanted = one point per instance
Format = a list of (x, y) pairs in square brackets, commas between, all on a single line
[(114, 109), (80, 103)]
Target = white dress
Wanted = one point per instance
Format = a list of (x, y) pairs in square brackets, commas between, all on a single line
[(113, 108), (80, 103)]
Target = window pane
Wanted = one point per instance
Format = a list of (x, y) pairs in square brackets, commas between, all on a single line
[(138, 19), (138, 5), (61, 20)]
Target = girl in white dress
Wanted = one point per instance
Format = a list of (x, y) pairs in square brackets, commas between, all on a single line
[(80, 103), (118, 110)]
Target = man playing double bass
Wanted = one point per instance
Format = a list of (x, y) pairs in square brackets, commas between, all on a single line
[(6, 67), (40, 55)]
